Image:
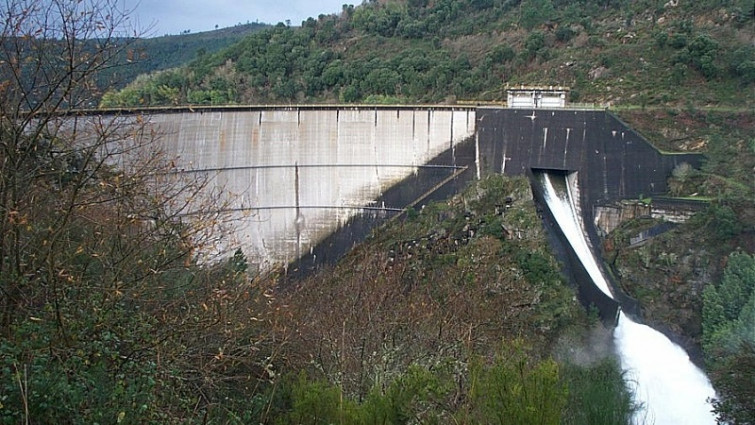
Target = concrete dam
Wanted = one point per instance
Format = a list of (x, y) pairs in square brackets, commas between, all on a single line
[(294, 176), (304, 184)]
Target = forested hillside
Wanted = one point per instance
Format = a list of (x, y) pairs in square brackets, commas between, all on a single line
[(457, 313), (145, 55), (648, 52)]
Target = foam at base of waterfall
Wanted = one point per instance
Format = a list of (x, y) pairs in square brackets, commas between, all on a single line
[(671, 388)]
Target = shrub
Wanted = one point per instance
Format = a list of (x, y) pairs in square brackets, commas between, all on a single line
[(598, 394), (514, 389), (678, 41), (661, 38), (564, 34)]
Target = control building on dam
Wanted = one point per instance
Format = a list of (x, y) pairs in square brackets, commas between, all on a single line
[(294, 176)]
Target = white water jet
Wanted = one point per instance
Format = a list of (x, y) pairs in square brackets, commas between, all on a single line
[(671, 389), (563, 211)]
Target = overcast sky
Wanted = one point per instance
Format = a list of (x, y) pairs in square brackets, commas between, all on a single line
[(176, 16)]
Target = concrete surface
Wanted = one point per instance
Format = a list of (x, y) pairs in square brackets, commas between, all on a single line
[(293, 175)]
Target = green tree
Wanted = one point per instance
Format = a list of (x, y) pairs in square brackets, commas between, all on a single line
[(738, 283), (729, 338), (728, 307), (105, 314), (722, 222), (502, 53), (535, 12), (742, 64), (703, 51), (734, 381), (598, 394), (564, 34), (382, 81), (534, 43), (700, 54), (350, 94), (317, 403), (407, 399), (714, 316)]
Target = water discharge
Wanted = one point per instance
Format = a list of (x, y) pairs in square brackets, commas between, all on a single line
[(671, 389)]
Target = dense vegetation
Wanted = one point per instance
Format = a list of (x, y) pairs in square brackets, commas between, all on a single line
[(648, 52), (424, 323), (729, 338), (455, 313)]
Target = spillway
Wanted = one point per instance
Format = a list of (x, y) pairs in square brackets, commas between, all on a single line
[(669, 387)]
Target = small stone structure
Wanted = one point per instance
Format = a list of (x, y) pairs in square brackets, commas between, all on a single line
[(610, 216)]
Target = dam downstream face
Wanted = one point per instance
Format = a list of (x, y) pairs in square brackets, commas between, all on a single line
[(671, 389), (288, 178)]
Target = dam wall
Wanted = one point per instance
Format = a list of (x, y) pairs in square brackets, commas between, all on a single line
[(614, 162), (610, 161), (292, 176)]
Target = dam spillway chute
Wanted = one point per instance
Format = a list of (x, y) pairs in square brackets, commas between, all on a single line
[(552, 190), (558, 196), (666, 384)]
